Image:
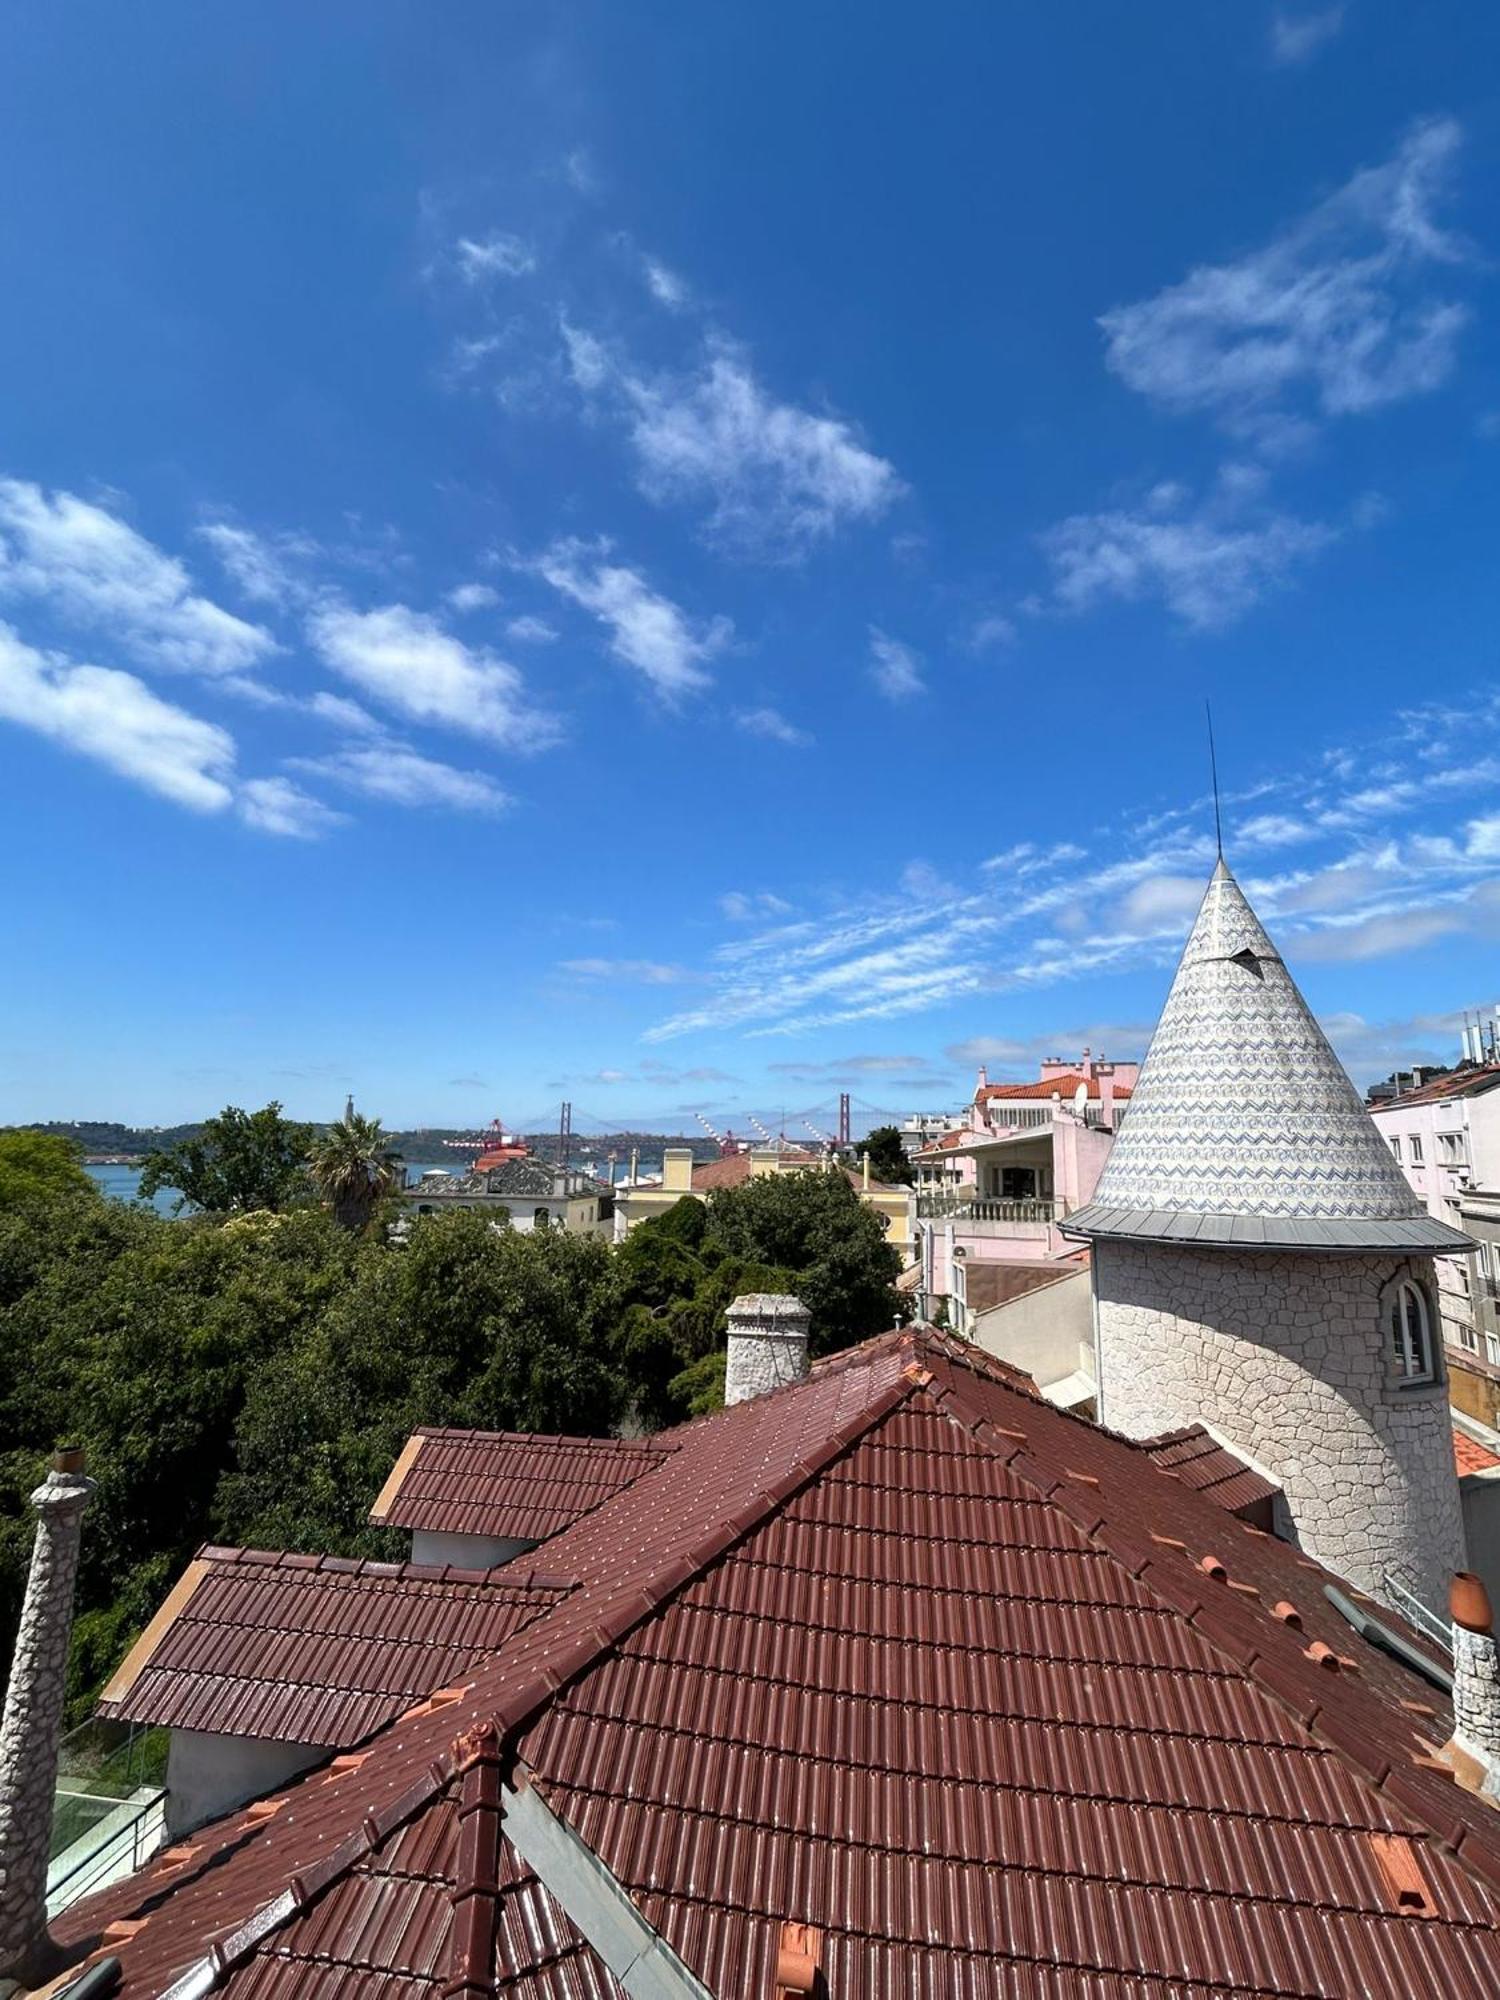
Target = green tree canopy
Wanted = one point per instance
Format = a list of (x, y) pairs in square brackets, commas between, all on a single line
[(465, 1324), (888, 1161), (354, 1168), (241, 1161), (40, 1166)]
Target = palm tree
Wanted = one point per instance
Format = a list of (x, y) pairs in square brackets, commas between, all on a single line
[(353, 1168)]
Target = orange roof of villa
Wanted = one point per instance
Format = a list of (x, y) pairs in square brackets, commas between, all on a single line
[(1045, 1087)]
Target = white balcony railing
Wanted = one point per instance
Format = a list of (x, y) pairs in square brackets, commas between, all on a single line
[(958, 1208)]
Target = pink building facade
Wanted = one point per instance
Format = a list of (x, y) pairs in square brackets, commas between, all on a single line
[(1028, 1156)]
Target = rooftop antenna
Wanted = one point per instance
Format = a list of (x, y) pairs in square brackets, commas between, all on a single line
[(1213, 767)]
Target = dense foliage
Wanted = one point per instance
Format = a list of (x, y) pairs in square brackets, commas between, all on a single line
[(239, 1162), (888, 1161), (250, 1377)]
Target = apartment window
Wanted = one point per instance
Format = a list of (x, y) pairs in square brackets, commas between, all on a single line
[(1395, 1144), (1451, 1148), (1411, 1333), (1416, 1149)]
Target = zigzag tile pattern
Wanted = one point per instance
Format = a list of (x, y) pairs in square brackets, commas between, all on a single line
[(1242, 1107)]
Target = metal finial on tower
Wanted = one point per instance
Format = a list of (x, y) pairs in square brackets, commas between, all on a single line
[(1213, 769)]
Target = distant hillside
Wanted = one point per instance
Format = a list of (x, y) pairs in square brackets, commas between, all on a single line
[(105, 1135)]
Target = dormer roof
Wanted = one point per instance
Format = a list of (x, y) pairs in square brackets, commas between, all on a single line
[(1244, 1128)]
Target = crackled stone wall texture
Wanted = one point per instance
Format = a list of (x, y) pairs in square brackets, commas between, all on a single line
[(1287, 1357), (767, 1344), (1476, 1697), (29, 1733)]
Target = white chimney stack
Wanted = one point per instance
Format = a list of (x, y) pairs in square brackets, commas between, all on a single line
[(767, 1344), (1475, 1744), (30, 1730)]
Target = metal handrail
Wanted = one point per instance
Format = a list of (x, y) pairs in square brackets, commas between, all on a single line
[(1416, 1613), (105, 1861)]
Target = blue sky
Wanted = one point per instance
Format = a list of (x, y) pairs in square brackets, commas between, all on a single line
[(673, 556)]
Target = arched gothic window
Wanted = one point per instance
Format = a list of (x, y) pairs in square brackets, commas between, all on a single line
[(1411, 1333)]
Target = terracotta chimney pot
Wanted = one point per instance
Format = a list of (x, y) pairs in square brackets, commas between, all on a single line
[(1469, 1603)]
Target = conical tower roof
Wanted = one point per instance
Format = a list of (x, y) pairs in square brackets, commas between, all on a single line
[(1243, 1127)]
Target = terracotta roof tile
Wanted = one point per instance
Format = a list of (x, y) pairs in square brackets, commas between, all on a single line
[(976, 1689), (1200, 1461), (1469, 1455), (1064, 1086), (507, 1485), (265, 1647)]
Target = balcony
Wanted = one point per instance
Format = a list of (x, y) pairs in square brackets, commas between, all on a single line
[(956, 1208)]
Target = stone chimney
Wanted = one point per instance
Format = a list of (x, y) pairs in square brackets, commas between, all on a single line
[(767, 1344), (32, 1723), (1474, 1748), (1105, 1071)]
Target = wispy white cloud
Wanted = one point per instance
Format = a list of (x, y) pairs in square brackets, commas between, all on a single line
[(276, 805), (777, 478), (1369, 864), (1379, 936), (1335, 315), (1209, 562), (1026, 858), (646, 630), (410, 663), (530, 631), (465, 597), (773, 726), (401, 776), (895, 668), (992, 631), (665, 285), (266, 568), (115, 719), (497, 255), (1297, 38), (741, 908), (91, 569), (634, 971), (344, 714)]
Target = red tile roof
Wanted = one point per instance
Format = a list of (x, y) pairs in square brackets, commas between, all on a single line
[(903, 1653), (1469, 1455), (1200, 1461), (315, 1649), (1463, 1083), (734, 1169), (1064, 1086), (507, 1485)]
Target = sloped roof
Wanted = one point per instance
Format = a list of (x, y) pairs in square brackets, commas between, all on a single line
[(1244, 1127), (314, 1649), (901, 1652), (507, 1485), (992, 1281), (1064, 1085), (1197, 1458), (734, 1169), (1471, 1455), (1458, 1083)]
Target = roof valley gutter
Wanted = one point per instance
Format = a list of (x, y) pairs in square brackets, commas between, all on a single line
[(595, 1901)]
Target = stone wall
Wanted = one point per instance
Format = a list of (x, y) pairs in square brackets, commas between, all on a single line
[(1288, 1359)]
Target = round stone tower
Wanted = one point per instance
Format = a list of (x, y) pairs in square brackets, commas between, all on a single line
[(1262, 1267)]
